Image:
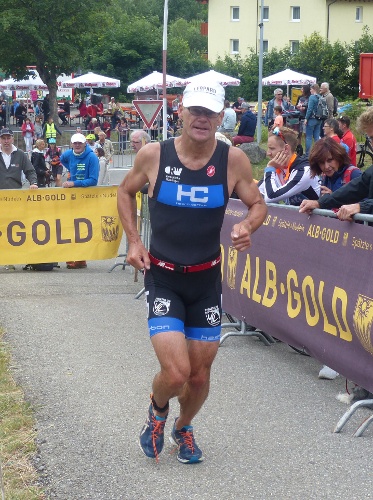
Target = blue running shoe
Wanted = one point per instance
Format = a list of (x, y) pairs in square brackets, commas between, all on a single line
[(152, 435), (188, 451)]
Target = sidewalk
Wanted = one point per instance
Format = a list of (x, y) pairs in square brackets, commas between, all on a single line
[(82, 353)]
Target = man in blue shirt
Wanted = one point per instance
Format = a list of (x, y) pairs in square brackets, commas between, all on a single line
[(246, 130)]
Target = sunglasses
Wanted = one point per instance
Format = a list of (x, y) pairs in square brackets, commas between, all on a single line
[(277, 131), (199, 111)]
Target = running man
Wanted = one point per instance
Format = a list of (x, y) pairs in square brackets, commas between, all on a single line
[(190, 179)]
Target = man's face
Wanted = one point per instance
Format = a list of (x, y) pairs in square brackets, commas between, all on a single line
[(101, 137), (136, 143), (323, 90), (78, 147), (200, 123), (6, 142)]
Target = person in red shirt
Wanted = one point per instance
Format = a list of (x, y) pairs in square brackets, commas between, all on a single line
[(348, 137)]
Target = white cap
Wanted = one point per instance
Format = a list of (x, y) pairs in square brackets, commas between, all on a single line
[(78, 138), (208, 94)]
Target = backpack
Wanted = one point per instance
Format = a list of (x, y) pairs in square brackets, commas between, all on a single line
[(347, 174), (322, 111), (335, 107)]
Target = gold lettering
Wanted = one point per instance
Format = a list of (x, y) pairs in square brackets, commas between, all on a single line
[(341, 295), (246, 278), (271, 275), (292, 311), (308, 283), (256, 297), (328, 327)]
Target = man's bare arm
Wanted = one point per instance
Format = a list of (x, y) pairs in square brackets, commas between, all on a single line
[(143, 171), (240, 179)]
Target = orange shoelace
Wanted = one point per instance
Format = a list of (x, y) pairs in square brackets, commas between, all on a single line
[(188, 439), (157, 431)]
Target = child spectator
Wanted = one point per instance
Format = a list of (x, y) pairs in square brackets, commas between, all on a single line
[(279, 121)]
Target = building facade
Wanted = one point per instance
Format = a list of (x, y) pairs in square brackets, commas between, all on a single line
[(233, 25)]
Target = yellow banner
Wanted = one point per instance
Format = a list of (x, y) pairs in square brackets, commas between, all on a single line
[(54, 225)]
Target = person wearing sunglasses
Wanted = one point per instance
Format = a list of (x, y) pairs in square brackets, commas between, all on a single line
[(190, 180), (287, 176), (278, 100)]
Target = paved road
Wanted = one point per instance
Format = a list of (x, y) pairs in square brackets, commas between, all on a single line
[(82, 354)]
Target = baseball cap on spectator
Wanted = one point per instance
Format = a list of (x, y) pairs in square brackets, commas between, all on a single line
[(6, 131), (207, 94), (78, 138), (52, 140), (245, 105)]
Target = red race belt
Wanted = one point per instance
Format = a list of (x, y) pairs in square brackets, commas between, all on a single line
[(184, 269)]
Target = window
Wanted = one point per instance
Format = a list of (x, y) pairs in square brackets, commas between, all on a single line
[(235, 13), (235, 46), (265, 46), (295, 14), (294, 46), (266, 14), (359, 15)]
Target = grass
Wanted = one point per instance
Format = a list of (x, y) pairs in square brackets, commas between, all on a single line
[(18, 477)]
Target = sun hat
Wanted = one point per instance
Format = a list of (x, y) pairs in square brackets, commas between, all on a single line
[(208, 94), (78, 138)]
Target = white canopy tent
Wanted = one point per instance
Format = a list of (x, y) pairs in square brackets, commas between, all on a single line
[(32, 82), (91, 80), (213, 75), (154, 81), (288, 77)]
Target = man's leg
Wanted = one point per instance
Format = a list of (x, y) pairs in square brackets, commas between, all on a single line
[(196, 389)]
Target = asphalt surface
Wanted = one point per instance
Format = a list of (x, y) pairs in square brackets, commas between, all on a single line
[(82, 354)]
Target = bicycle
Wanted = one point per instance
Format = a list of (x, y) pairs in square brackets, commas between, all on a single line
[(364, 154)]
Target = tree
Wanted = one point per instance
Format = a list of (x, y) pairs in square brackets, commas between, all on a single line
[(49, 35)]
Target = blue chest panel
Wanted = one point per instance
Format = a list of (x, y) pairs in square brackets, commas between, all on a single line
[(184, 195)]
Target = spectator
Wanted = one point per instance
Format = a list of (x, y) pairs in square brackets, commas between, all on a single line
[(100, 153), (53, 156), (37, 110), (82, 107), (138, 139), (92, 124), (279, 121), (175, 107), (331, 161), (301, 106), (312, 124), (332, 130), (278, 100), (122, 129), (348, 137), (83, 166), (20, 113), (106, 127), (38, 162), (229, 119), (236, 106), (106, 145), (65, 112), (287, 177), (28, 131), (45, 107), (246, 130), (38, 128), (325, 92), (11, 178), (91, 140), (356, 196), (50, 130)]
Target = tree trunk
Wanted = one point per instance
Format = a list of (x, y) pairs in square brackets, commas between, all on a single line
[(50, 79)]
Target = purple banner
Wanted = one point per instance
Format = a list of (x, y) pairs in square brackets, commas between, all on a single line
[(307, 281)]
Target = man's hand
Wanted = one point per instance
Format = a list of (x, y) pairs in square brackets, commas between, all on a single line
[(347, 211), (241, 236), (138, 256), (307, 206), (68, 184), (34, 186)]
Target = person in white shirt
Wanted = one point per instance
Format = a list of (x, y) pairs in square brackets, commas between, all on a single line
[(229, 120)]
